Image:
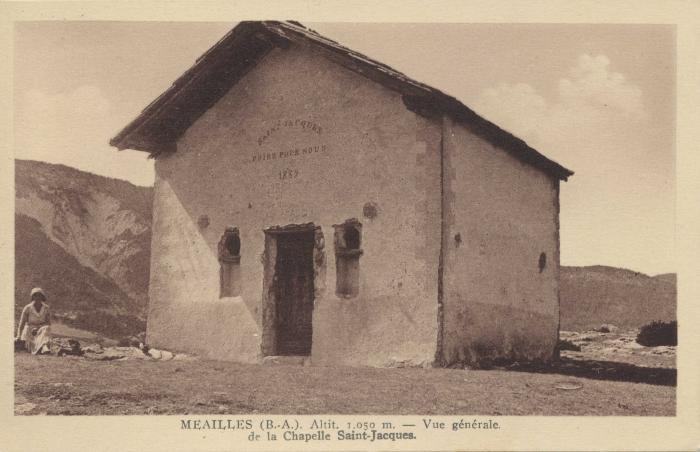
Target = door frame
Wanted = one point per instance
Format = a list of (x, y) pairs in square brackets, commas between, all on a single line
[(269, 260)]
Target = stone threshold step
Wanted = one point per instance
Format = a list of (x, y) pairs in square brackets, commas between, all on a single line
[(286, 360)]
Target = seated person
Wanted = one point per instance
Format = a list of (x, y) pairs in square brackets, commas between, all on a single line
[(35, 323)]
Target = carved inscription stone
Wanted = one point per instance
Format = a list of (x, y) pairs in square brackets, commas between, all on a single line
[(289, 129), (300, 124), (287, 153)]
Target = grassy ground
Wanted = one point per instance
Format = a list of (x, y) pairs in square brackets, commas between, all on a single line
[(52, 385)]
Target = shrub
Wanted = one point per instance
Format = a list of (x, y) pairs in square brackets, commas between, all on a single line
[(606, 328), (658, 333)]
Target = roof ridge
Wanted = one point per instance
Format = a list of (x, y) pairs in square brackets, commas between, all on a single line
[(161, 122)]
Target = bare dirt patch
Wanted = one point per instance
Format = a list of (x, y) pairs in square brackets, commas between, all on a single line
[(78, 386)]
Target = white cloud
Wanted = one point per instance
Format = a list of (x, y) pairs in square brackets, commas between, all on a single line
[(74, 128), (595, 86), (591, 101)]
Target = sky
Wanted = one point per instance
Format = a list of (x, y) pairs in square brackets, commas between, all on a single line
[(599, 99)]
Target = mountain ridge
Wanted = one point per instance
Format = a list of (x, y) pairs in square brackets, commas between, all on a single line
[(610, 269), (594, 295)]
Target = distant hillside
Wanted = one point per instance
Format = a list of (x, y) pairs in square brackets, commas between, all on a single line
[(591, 296), (78, 295), (86, 240)]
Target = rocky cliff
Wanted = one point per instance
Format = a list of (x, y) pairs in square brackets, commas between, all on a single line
[(86, 240)]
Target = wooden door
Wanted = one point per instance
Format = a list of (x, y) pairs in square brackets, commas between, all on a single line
[(294, 292)]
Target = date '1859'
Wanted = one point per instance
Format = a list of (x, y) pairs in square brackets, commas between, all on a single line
[(288, 173)]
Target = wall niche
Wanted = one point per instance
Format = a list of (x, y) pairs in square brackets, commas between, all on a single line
[(348, 250), (229, 261)]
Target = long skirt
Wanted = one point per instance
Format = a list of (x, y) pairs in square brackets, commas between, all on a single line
[(35, 342)]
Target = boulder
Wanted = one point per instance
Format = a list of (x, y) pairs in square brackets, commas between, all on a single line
[(135, 353), (73, 349), (109, 354), (93, 348), (606, 328), (155, 353)]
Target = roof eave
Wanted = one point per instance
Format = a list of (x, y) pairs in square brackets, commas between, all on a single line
[(424, 99), (130, 138)]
